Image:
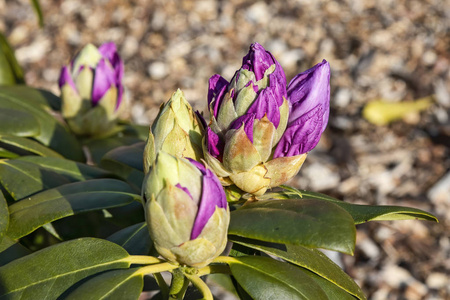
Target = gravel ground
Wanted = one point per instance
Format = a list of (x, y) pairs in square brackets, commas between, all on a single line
[(392, 50)]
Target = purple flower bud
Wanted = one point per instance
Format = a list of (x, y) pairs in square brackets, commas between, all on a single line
[(309, 96)]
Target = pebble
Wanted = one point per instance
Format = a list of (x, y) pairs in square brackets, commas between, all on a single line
[(157, 70)]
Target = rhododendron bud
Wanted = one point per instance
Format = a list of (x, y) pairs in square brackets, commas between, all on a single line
[(176, 130), (92, 90), (254, 117), (186, 210)]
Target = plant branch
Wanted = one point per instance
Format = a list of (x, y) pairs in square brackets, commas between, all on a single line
[(158, 268), (201, 286)]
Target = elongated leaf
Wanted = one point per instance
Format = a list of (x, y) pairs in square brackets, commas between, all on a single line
[(117, 284), (266, 278), (52, 133), (30, 174), (18, 123), (46, 274), (99, 147), (362, 213), (310, 259), (10, 70), (310, 223), (135, 239), (332, 290), (21, 178), (67, 200), (4, 216), (7, 154), (73, 170), (38, 11), (127, 162), (27, 145), (11, 250)]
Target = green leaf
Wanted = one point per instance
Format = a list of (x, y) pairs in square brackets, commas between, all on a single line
[(332, 290), (46, 274), (7, 154), (99, 147), (73, 170), (266, 278), (127, 162), (18, 123), (4, 216), (30, 174), (37, 103), (363, 213), (11, 250), (27, 145), (310, 223), (10, 70), (67, 200), (117, 284), (310, 259), (135, 239), (21, 178), (37, 8)]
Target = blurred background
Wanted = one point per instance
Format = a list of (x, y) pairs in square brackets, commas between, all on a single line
[(387, 54)]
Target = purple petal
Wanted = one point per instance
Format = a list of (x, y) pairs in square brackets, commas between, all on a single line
[(109, 51), (246, 121), (309, 89), (216, 91), (213, 195), (103, 80), (266, 104), (302, 135), (65, 77), (200, 117), (184, 189), (257, 60), (214, 144)]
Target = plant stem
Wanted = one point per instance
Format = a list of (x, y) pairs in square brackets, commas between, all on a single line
[(158, 268), (162, 285), (143, 260), (201, 286), (211, 269), (225, 260)]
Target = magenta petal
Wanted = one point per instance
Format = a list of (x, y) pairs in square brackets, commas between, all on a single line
[(214, 145), (266, 104), (246, 121), (184, 189), (309, 89), (119, 95), (302, 135), (213, 195), (65, 77), (109, 51), (216, 91), (103, 80)]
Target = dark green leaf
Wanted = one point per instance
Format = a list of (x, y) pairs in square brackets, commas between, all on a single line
[(10, 70), (332, 290), (126, 162), (67, 200), (21, 178), (310, 223), (266, 278), (38, 11), (135, 239), (362, 213), (37, 103), (11, 250), (73, 170), (117, 284), (7, 154), (14, 143), (4, 216), (46, 274), (310, 259), (18, 123), (99, 147)]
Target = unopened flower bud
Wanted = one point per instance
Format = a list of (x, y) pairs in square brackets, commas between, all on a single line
[(92, 90), (186, 210), (176, 130)]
